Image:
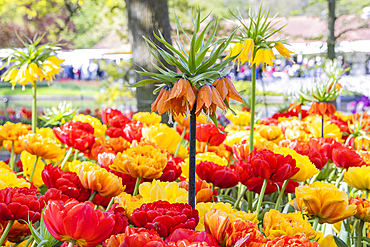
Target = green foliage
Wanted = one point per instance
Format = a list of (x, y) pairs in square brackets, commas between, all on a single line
[(56, 116), (41, 235), (114, 89)]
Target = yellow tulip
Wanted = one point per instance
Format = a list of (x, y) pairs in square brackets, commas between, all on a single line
[(324, 201), (306, 168), (270, 133), (358, 177), (28, 161), (327, 241), (330, 130), (278, 224), (164, 191), (236, 136), (241, 118), (166, 138), (8, 179), (129, 203), (147, 117)]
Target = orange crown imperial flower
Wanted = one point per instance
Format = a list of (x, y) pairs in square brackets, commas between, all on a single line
[(197, 79)]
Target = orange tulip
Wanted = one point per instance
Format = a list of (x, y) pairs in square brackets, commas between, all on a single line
[(12, 131), (115, 240), (144, 161), (45, 148), (325, 201), (363, 208), (229, 231), (18, 147), (95, 178)]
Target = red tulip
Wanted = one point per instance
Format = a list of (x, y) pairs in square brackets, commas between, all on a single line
[(114, 118), (114, 132), (121, 221), (269, 121), (209, 133), (78, 221), (132, 131), (265, 164), (76, 134), (141, 237), (345, 157), (291, 241), (219, 176), (192, 237), (316, 158), (324, 146), (67, 182), (53, 195), (165, 217), (20, 204), (172, 171)]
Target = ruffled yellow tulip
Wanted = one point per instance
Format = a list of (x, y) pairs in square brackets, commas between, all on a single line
[(278, 224), (164, 191), (129, 203), (323, 201), (8, 179)]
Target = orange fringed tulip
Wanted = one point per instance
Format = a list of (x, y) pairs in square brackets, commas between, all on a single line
[(95, 178), (142, 161), (45, 148), (230, 231), (363, 208), (12, 131), (291, 241), (278, 224), (322, 108), (323, 200)]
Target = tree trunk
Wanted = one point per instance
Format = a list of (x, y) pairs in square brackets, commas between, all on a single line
[(331, 28), (144, 18)]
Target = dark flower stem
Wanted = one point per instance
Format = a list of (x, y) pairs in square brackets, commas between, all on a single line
[(93, 196), (138, 180), (6, 231), (322, 126), (192, 150)]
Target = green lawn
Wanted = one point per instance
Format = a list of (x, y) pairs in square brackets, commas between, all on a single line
[(47, 91)]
